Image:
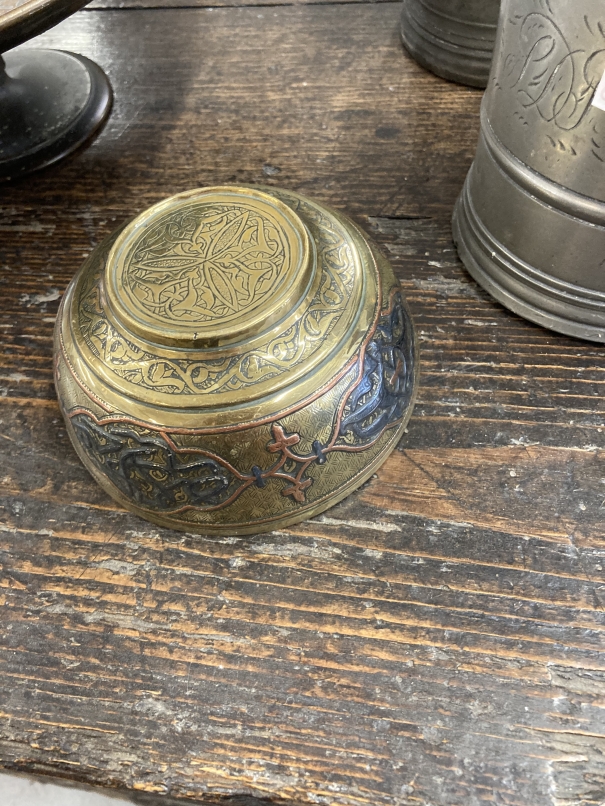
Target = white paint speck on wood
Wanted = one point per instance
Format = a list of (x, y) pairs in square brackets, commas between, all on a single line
[(16, 790)]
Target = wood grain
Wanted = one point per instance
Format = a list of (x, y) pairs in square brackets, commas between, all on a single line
[(121, 4), (437, 638)]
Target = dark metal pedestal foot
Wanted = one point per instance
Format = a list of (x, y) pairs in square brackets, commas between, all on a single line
[(51, 102)]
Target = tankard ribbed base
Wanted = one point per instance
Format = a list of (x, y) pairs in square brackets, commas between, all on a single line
[(457, 49), (519, 286)]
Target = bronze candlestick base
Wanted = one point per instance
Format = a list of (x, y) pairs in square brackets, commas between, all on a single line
[(51, 103)]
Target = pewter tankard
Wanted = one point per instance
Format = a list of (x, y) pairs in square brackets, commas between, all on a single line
[(530, 222), (452, 38)]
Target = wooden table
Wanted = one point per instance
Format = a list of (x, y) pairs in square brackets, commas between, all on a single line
[(436, 639)]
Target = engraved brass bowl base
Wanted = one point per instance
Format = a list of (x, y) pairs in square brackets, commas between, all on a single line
[(234, 360)]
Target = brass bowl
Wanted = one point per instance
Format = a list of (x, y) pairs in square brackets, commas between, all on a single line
[(234, 359)]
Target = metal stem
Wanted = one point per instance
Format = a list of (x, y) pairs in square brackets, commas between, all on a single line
[(3, 73)]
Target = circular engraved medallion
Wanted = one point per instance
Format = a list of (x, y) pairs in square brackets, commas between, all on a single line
[(209, 268)]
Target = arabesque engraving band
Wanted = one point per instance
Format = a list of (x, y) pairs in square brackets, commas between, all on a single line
[(146, 465)]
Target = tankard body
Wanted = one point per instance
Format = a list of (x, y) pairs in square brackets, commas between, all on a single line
[(530, 222)]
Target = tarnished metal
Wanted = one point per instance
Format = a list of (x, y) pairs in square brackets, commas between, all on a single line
[(233, 360), (530, 222), (452, 38), (51, 102), (21, 20)]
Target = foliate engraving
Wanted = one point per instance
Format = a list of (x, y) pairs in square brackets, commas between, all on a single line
[(386, 386), (148, 467), (271, 360), (207, 263)]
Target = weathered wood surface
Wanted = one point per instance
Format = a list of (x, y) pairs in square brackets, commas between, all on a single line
[(105, 4), (436, 639)]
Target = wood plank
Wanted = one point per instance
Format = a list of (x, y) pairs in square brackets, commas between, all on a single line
[(434, 639), (120, 4)]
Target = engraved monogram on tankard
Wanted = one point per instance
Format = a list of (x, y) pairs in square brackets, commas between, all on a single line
[(530, 222)]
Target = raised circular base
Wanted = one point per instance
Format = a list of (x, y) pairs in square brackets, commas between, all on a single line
[(522, 289), (454, 49), (51, 102)]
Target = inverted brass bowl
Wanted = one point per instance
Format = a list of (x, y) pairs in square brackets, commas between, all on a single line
[(233, 360)]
